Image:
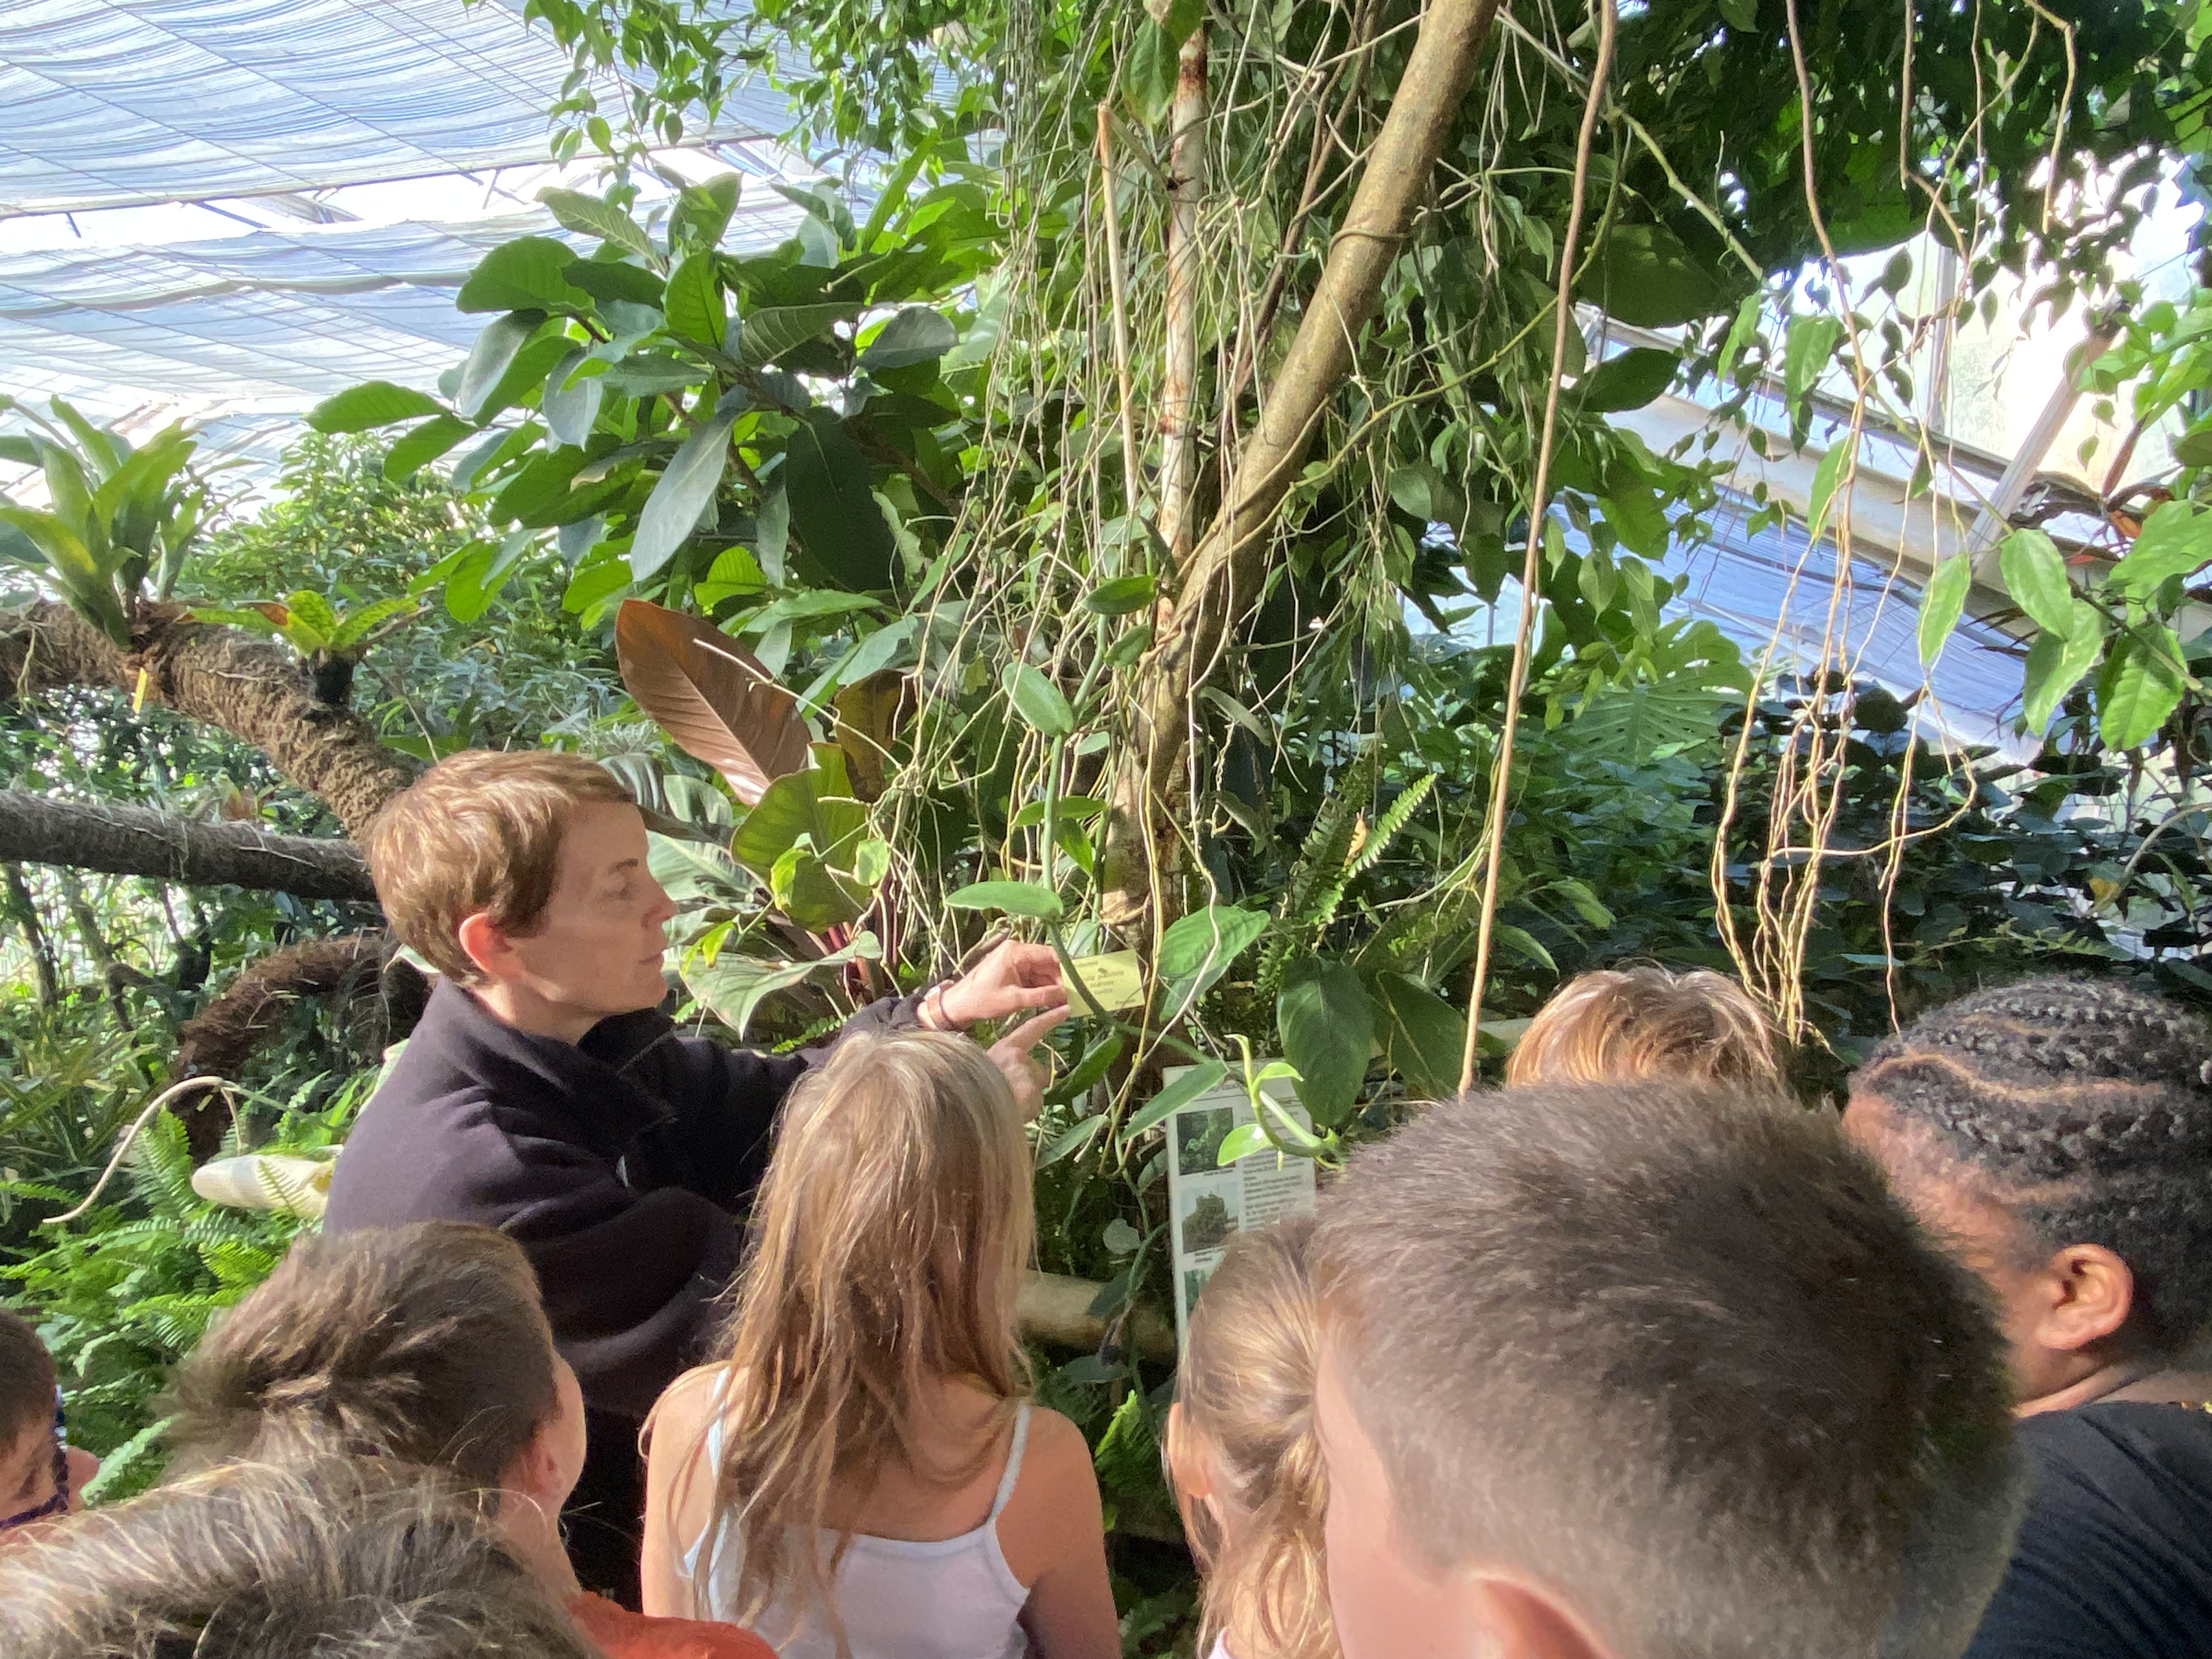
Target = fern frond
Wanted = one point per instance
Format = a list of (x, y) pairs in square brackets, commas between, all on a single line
[(161, 1168)]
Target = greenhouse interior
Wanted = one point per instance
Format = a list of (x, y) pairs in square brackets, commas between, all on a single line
[(1201, 827)]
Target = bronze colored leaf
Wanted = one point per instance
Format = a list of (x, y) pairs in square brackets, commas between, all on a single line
[(714, 697), (869, 712)]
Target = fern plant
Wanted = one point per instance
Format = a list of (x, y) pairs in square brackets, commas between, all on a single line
[(121, 1295)]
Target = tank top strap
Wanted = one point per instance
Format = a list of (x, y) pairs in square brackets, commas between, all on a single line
[(1014, 1460)]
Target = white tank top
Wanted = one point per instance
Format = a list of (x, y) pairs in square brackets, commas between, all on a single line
[(954, 1598)]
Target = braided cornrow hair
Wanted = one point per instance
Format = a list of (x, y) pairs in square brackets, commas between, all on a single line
[(2086, 1108)]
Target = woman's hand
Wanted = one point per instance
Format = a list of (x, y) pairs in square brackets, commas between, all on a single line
[(1015, 1054), (1013, 977)]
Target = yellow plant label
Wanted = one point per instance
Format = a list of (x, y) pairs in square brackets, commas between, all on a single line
[(1105, 984)]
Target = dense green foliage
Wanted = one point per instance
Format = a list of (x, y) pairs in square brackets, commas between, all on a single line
[(853, 520)]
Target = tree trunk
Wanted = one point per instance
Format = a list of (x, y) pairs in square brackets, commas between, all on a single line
[(1179, 397), (130, 840), (25, 910), (218, 1040), (1225, 576), (221, 677)]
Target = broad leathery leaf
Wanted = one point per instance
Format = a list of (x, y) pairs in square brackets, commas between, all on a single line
[(1179, 1092), (1196, 949), (1827, 479), (1148, 73), (671, 511), (1629, 380), (801, 884), (702, 211), (416, 449), (1806, 350), (695, 307), (916, 334), (528, 274), (1120, 595), (713, 698), (795, 806), (491, 355), (614, 284), (1424, 1036), (377, 402), (1941, 604), (651, 373), (734, 986), (1645, 277), (830, 486), (1038, 701), (2176, 540), (572, 410), (2035, 575), (2139, 686), (2055, 663), (697, 872), (1328, 1027), (591, 217), (772, 330), (1016, 898)]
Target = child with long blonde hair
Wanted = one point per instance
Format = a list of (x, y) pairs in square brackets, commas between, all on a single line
[(860, 1474), (1247, 1470)]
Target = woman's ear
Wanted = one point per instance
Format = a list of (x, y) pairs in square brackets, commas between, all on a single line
[(483, 942), (1522, 1623), (2089, 1294)]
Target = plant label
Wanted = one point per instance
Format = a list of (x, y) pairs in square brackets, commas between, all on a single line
[(1105, 984)]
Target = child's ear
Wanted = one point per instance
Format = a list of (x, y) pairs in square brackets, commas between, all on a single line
[(1190, 1469), (1525, 1623)]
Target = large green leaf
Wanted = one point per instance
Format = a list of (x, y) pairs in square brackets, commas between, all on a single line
[(651, 373), (1810, 343), (789, 808), (682, 493), (733, 986), (591, 217), (830, 485), (1627, 381), (702, 211), (2035, 575), (1196, 949), (2055, 663), (768, 333), (1148, 73), (1039, 702), (534, 495), (1424, 1036), (1941, 604), (613, 282), (491, 357), (1646, 278), (2139, 686), (916, 334), (693, 305), (1327, 1028), (377, 402), (697, 871), (421, 445), (571, 406), (528, 274), (1016, 898), (2176, 540)]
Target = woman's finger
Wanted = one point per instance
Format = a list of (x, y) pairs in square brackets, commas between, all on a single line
[(1026, 1036)]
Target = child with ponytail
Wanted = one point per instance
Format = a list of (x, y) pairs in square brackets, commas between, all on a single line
[(860, 1474), (1247, 1470)]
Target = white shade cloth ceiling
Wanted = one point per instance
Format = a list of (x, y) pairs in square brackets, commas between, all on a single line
[(275, 319), (113, 104)]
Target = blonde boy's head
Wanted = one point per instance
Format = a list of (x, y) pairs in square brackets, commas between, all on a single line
[(1623, 1024), (479, 832)]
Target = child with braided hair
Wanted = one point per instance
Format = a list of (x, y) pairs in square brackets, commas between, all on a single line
[(2057, 1133)]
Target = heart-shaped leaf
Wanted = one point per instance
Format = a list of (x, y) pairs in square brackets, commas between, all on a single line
[(1327, 1028), (713, 698)]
